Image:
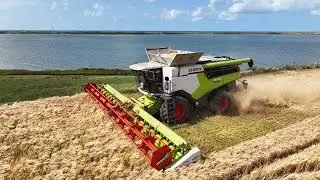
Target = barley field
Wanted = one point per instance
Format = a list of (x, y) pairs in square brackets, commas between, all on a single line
[(276, 134)]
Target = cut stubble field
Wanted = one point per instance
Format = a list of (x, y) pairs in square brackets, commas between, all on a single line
[(275, 135)]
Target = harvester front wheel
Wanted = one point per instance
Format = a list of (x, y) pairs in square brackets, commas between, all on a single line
[(183, 110), (220, 103)]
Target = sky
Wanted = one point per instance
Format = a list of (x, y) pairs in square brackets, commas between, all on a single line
[(161, 15)]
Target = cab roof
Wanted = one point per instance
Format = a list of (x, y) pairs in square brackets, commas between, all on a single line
[(146, 66)]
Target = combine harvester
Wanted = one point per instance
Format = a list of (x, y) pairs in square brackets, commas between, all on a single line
[(174, 82)]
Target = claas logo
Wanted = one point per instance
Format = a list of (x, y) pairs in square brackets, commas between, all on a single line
[(194, 69)]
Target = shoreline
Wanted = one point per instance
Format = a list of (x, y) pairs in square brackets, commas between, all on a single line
[(125, 72), (93, 32)]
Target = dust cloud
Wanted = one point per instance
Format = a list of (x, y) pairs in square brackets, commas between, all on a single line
[(294, 88)]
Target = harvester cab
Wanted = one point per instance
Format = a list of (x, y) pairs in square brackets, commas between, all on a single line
[(173, 83)]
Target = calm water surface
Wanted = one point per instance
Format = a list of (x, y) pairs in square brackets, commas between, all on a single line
[(41, 52)]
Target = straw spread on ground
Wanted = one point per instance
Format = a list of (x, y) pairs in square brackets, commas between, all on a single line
[(70, 137), (308, 160), (302, 176)]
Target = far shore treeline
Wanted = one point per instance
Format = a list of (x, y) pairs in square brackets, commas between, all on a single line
[(146, 32)]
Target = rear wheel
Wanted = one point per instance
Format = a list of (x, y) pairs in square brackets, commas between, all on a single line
[(182, 111), (220, 103)]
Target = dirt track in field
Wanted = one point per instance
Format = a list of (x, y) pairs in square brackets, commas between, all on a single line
[(69, 137)]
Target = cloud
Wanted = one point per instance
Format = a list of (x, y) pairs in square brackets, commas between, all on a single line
[(256, 6), (197, 14), (212, 5), (6, 4), (202, 12), (232, 9), (150, 1), (197, 11), (149, 15), (226, 15), (54, 5), (65, 4), (96, 10), (171, 14), (196, 18), (316, 12), (265, 6)]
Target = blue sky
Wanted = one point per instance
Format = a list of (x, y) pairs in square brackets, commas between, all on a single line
[(171, 15)]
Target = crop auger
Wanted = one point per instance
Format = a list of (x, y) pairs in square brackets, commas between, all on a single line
[(174, 82)]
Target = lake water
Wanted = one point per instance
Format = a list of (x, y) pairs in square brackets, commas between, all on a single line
[(41, 52)]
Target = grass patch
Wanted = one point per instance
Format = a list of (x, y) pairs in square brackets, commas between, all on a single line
[(28, 87), (83, 71)]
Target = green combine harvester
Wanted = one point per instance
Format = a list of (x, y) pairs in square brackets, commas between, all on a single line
[(173, 83)]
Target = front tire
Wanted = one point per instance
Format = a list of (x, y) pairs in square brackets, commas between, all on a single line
[(183, 111)]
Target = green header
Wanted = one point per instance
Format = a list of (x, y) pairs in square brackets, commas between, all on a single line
[(156, 124)]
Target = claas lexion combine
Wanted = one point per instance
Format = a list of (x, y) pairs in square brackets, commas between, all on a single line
[(173, 84)]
